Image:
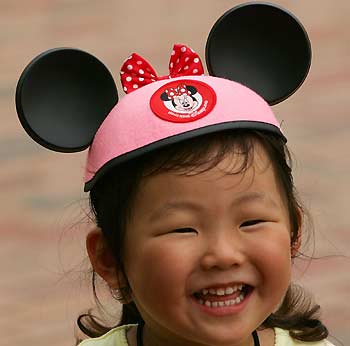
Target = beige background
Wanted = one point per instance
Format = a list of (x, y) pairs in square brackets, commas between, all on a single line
[(43, 283)]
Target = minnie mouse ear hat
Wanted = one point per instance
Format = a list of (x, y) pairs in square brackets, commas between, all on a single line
[(257, 54)]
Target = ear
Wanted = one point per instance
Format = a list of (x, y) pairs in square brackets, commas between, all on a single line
[(295, 246), (164, 97), (261, 46), (63, 96), (103, 262), (192, 89), (102, 259)]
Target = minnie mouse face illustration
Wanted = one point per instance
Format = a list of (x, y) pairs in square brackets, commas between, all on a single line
[(182, 99), (184, 102)]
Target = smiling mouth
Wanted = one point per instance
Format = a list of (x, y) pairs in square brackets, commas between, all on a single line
[(223, 297)]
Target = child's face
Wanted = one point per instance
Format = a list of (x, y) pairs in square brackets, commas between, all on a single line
[(235, 230)]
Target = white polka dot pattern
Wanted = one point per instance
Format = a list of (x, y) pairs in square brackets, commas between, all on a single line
[(137, 72)]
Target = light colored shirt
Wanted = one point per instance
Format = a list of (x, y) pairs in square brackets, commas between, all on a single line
[(117, 337), (282, 338)]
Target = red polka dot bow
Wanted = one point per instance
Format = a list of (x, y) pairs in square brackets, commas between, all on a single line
[(174, 92), (137, 72)]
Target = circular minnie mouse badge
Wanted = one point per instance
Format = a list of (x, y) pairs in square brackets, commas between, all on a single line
[(183, 101)]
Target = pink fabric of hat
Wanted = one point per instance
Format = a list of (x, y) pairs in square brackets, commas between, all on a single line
[(167, 110)]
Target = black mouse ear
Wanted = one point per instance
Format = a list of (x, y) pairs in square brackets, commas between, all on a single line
[(63, 96), (261, 46)]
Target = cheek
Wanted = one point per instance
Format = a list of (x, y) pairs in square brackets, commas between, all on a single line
[(275, 262), (159, 269)]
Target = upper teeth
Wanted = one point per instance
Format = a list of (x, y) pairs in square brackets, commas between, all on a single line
[(222, 291)]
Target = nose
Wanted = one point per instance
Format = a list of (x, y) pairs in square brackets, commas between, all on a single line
[(223, 250)]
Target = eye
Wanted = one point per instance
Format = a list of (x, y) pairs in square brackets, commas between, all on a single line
[(251, 223), (184, 230)]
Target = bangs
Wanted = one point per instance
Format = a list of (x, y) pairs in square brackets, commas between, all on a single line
[(201, 154)]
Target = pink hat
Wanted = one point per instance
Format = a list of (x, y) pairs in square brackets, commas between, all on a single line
[(67, 100)]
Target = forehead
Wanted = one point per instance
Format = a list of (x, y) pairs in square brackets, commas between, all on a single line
[(227, 178)]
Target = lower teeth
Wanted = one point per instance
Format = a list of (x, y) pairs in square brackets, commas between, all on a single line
[(216, 304)]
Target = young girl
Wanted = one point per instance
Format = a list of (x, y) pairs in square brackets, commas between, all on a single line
[(190, 183)]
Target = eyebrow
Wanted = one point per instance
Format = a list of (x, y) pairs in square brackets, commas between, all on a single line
[(170, 206), (254, 196), (175, 205)]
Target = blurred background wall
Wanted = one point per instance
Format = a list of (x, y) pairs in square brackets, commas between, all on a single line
[(44, 273)]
